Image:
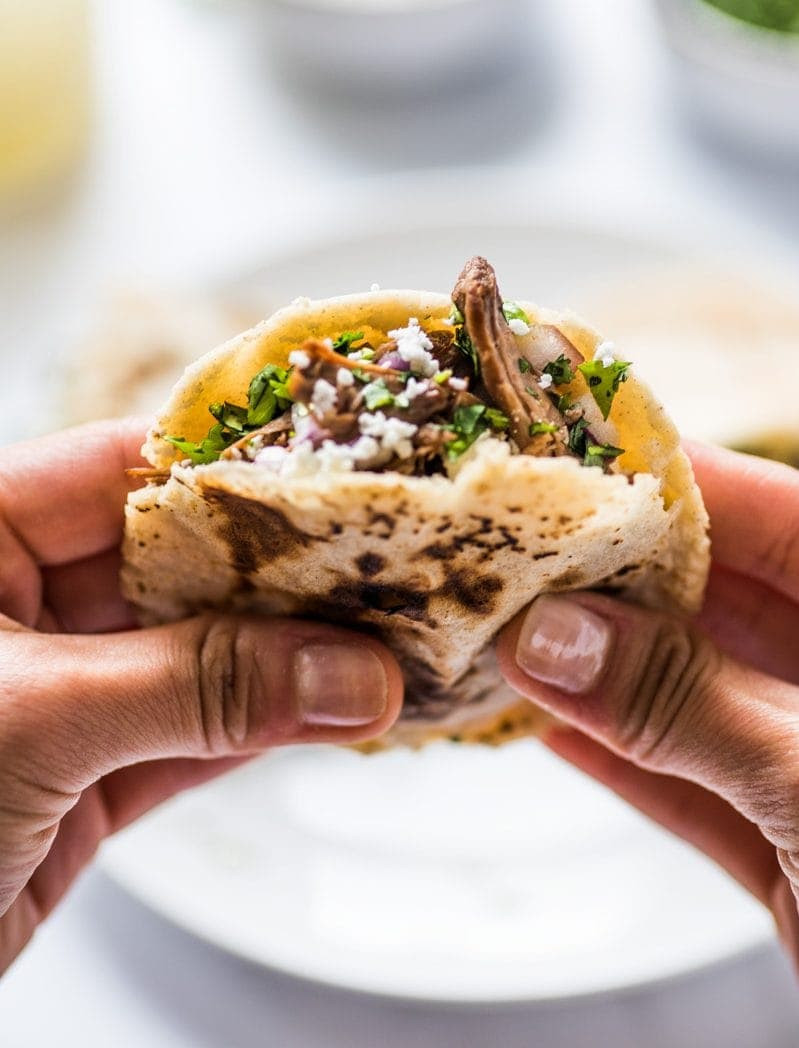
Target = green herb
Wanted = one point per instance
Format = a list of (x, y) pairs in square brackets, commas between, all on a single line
[(209, 448), (469, 422), (513, 311), (230, 416), (377, 395), (267, 392), (604, 381), (560, 370), (542, 427), (564, 402), (524, 365), (782, 15), (578, 437), (456, 318), (598, 454), (533, 392), (496, 419), (466, 346), (343, 344)]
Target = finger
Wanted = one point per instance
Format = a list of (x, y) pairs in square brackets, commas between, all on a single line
[(131, 792), (78, 707), (754, 508), (84, 597), (61, 499), (697, 816), (106, 807), (753, 623), (655, 691)]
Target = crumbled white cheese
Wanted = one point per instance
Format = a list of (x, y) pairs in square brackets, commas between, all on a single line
[(362, 354), (327, 342), (302, 423), (299, 359), (518, 326), (375, 287), (324, 397), (545, 381), (458, 383), (394, 434), (300, 462), (413, 345), (415, 387), (273, 457), (344, 377), (606, 353), (365, 448), (335, 458)]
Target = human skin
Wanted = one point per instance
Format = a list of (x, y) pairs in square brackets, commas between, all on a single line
[(694, 723), (100, 721)]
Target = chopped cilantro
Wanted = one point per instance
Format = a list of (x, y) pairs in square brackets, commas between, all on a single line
[(564, 402), (377, 395), (598, 454), (497, 419), (209, 448), (524, 365), (578, 437), (604, 381), (230, 416), (542, 427), (267, 392), (513, 311), (466, 346), (560, 370), (469, 422), (343, 344), (466, 418)]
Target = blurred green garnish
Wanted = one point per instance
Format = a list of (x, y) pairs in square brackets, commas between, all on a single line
[(781, 15)]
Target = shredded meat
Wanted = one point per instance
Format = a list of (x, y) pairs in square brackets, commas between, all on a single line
[(477, 297)]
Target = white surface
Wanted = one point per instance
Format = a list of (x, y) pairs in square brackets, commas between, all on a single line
[(456, 874), (741, 79), (202, 161)]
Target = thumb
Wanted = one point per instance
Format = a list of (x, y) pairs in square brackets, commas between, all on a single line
[(212, 686), (654, 690)]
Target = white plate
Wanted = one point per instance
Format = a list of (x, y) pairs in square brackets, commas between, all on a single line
[(454, 874)]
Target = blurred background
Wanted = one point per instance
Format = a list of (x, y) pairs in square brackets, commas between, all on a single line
[(171, 171)]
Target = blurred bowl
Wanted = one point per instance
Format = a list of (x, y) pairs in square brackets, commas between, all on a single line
[(738, 79), (390, 47)]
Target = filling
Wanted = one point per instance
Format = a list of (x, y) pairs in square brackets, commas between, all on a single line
[(416, 403)]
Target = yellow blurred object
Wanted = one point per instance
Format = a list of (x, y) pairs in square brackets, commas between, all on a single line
[(44, 93)]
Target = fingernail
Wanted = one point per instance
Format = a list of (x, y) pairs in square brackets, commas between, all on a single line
[(339, 686), (563, 644)]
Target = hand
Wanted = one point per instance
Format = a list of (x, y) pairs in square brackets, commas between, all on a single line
[(100, 722), (697, 725)]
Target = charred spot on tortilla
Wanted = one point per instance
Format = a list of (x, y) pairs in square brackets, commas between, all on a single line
[(475, 593), (370, 564), (255, 534), (377, 597)]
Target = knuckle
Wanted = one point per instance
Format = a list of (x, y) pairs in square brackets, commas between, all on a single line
[(669, 683), (223, 686)]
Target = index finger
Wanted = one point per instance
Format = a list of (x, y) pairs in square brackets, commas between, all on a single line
[(754, 514), (62, 495)]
